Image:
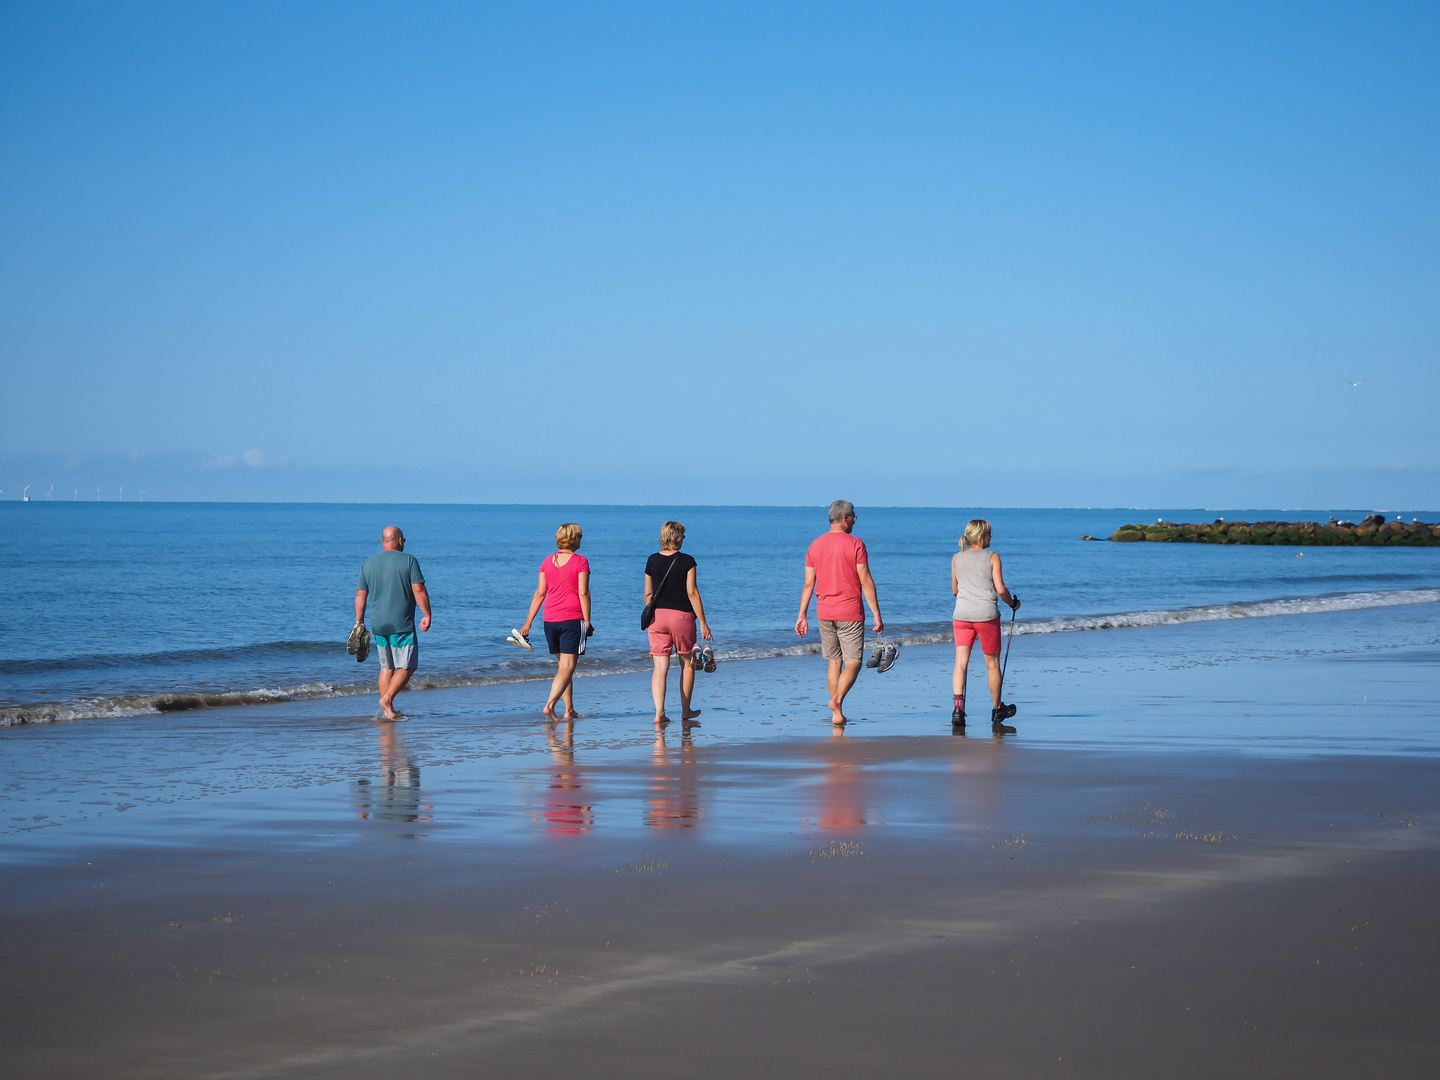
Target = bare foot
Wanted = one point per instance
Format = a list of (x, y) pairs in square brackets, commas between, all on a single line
[(689, 714), (573, 716), (549, 710), (661, 719)]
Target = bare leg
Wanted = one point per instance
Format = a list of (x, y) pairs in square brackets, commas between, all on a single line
[(840, 677), (687, 688), (392, 681), (992, 663), (560, 688), (657, 686), (962, 665), (568, 694)]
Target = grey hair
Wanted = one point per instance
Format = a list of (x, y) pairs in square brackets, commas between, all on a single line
[(840, 509)]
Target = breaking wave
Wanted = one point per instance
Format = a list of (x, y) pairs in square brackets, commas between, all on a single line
[(925, 634)]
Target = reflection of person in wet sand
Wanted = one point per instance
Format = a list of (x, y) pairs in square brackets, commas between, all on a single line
[(564, 812), (675, 793), (837, 572), (397, 795), (842, 792)]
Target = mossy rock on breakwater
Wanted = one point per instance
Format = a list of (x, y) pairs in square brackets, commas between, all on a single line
[(1374, 531)]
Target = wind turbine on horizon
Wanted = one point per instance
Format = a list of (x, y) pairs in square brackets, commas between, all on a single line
[(25, 494), (50, 495), (122, 492), (142, 494), (97, 494)]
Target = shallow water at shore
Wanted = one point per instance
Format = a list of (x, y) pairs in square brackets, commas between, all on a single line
[(477, 762), (136, 609)]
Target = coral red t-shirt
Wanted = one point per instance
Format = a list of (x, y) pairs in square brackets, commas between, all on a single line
[(837, 583), (562, 587)]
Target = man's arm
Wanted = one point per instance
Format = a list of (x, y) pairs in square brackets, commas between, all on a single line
[(361, 595), (867, 585), (802, 624), (422, 601)]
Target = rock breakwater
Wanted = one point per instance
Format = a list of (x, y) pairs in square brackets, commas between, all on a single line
[(1374, 531)]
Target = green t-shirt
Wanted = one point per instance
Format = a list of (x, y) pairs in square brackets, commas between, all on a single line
[(387, 577)]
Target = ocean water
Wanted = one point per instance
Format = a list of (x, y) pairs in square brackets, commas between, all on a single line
[(113, 609)]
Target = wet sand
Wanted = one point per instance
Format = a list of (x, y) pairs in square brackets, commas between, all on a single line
[(297, 891)]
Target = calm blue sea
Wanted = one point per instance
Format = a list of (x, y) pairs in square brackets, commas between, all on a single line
[(106, 606)]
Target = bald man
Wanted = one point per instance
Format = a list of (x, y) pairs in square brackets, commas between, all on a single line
[(392, 585)]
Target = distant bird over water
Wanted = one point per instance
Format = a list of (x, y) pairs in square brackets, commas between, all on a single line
[(1354, 383)]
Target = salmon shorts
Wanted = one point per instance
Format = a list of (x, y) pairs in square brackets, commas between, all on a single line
[(987, 632), (671, 630)]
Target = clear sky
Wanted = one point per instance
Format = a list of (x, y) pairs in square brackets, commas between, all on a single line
[(949, 254)]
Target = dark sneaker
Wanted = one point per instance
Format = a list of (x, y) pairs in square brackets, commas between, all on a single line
[(888, 653), (874, 660), (1003, 713), (358, 644), (957, 718)]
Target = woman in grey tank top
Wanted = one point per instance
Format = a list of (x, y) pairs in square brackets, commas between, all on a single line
[(976, 581)]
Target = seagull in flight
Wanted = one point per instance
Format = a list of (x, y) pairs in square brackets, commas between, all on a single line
[(1354, 383)]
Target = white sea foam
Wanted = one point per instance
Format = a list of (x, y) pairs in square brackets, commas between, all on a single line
[(155, 704), (1245, 609)]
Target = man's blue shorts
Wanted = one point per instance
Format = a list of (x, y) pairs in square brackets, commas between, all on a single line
[(398, 652)]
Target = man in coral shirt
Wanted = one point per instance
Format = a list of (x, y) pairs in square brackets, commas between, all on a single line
[(837, 571)]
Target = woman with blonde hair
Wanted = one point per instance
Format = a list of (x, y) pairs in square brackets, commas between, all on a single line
[(976, 582), (671, 587), (564, 590)]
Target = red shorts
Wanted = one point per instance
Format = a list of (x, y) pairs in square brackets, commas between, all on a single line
[(672, 630), (987, 632)]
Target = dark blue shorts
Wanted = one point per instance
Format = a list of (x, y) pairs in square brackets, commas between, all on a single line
[(564, 637)]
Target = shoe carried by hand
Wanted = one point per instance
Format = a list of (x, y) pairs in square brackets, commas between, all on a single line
[(358, 644), (882, 657)]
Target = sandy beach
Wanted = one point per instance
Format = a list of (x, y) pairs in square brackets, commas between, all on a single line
[(1210, 849)]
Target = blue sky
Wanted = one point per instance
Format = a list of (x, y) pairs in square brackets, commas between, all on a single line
[(921, 254)]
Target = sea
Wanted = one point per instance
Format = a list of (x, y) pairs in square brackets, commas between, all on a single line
[(129, 609)]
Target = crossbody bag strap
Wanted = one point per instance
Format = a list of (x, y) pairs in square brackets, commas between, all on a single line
[(664, 577)]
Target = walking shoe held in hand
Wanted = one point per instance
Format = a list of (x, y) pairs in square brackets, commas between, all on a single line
[(358, 644)]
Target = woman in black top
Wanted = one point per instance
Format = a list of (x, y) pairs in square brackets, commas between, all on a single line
[(670, 583)]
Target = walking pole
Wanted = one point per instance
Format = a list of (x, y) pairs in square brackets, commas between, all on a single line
[(1008, 638)]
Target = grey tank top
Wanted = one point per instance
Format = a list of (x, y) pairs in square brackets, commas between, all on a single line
[(975, 600)]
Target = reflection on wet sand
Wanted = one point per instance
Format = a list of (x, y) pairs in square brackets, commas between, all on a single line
[(565, 812), (842, 788), (675, 787), (979, 787), (396, 796)]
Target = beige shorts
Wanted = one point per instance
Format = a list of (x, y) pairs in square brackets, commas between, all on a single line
[(842, 640)]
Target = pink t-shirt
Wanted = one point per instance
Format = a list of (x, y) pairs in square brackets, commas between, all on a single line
[(837, 583), (562, 587)]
